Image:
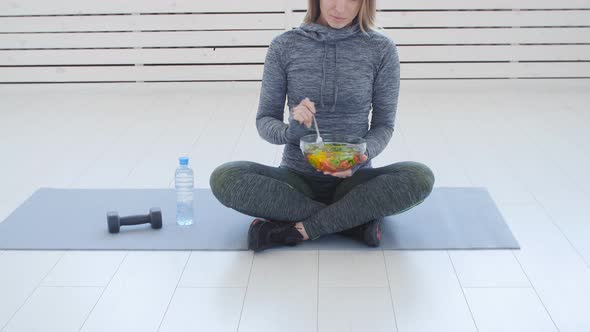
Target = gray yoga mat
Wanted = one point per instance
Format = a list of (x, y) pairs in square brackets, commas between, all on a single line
[(62, 219)]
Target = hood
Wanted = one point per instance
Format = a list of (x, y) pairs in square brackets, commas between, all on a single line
[(328, 35), (323, 33)]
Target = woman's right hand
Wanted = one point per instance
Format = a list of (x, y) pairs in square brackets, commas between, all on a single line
[(303, 113), (300, 120)]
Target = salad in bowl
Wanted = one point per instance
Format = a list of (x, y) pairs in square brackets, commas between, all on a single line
[(334, 153)]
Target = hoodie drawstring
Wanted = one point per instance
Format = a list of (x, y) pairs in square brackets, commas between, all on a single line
[(323, 74), (335, 76)]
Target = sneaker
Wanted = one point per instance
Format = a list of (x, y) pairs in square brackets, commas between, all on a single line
[(264, 234), (369, 233)]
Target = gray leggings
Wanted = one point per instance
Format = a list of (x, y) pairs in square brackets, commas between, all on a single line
[(323, 206)]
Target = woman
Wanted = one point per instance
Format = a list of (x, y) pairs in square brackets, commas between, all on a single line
[(337, 67)]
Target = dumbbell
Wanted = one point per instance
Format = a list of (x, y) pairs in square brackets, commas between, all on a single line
[(115, 222)]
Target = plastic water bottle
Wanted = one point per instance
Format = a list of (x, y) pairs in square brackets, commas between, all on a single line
[(184, 184)]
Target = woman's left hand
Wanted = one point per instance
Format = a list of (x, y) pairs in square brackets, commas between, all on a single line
[(348, 172)]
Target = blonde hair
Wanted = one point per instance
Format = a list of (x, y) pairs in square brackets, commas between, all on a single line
[(366, 16)]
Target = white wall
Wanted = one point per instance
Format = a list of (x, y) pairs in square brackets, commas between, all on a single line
[(134, 41)]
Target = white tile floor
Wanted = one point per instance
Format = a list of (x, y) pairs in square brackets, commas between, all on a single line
[(525, 140)]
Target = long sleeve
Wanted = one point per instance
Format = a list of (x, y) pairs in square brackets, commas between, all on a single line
[(269, 118), (385, 98)]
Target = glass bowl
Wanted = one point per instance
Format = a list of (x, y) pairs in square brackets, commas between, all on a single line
[(337, 153)]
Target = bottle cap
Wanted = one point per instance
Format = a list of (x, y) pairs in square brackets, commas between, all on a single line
[(183, 160)]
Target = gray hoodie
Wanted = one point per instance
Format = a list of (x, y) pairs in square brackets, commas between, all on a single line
[(345, 72)]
